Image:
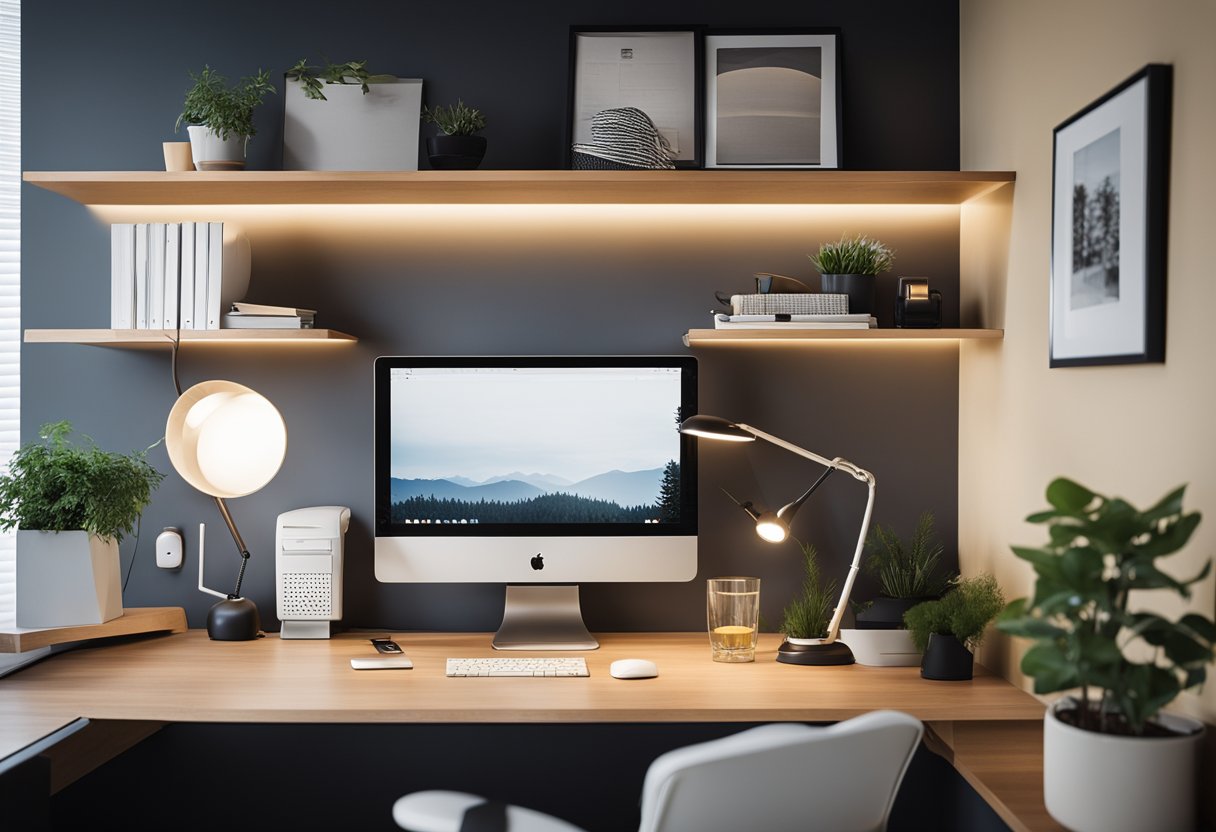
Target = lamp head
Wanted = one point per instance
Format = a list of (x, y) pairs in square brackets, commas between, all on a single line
[(772, 527), (713, 427)]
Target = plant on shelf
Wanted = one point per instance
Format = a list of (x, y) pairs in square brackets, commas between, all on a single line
[(314, 78), (908, 573), (457, 148), (848, 267), (1126, 663), (808, 615), (220, 117), (950, 628)]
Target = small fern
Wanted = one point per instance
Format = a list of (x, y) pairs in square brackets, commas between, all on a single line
[(808, 615)]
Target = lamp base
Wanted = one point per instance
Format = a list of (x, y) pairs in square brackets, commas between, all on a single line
[(233, 619), (818, 655)]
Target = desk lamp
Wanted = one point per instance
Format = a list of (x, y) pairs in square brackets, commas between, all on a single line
[(227, 441), (774, 527)]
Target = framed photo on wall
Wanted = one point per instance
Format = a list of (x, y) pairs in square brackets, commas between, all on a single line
[(655, 69), (772, 100), (1110, 191)]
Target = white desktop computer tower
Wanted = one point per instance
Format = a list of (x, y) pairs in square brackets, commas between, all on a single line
[(308, 569)]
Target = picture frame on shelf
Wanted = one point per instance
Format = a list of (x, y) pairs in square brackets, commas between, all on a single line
[(772, 99), (1110, 193), (653, 68)]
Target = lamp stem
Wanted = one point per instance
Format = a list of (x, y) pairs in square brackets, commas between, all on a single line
[(854, 567), (240, 543)]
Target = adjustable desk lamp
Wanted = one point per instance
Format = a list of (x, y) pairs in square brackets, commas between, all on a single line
[(227, 441), (774, 527)]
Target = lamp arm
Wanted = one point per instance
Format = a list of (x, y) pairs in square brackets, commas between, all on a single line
[(855, 566), (201, 550), (789, 446), (238, 540)]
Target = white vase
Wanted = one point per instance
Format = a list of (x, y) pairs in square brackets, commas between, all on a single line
[(1104, 783), (65, 579), (882, 648), (210, 152)]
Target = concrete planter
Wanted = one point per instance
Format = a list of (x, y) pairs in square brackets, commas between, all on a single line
[(65, 579)]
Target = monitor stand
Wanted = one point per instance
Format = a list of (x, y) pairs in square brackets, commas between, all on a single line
[(543, 618)]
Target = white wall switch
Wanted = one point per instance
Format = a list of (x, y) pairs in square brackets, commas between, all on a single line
[(169, 549)]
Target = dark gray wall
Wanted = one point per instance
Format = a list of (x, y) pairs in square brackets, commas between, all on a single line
[(102, 94)]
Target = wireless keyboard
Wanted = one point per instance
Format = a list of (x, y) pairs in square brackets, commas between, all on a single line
[(519, 666)]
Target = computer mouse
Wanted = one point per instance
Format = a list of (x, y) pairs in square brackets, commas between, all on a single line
[(633, 669)]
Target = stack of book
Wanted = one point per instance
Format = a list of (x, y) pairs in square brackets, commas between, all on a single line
[(792, 311), (259, 316), (166, 275)]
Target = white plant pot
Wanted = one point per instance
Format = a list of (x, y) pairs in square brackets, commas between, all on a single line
[(882, 648), (1102, 783), (65, 579), (210, 152), (350, 130)]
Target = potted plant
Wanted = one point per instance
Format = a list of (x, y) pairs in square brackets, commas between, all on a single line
[(848, 267), (908, 574), (457, 148), (807, 617), (220, 117), (1112, 760), (71, 505), (949, 629)]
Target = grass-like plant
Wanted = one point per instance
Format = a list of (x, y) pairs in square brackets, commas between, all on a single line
[(314, 78), (911, 570), (227, 110), (853, 255), (455, 120), (55, 486), (1101, 549), (963, 612), (808, 615)]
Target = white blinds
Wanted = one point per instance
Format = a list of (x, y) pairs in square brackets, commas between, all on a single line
[(10, 273)]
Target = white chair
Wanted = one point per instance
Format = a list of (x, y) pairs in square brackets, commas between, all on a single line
[(775, 778)]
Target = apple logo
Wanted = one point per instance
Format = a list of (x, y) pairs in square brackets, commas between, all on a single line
[(538, 562)]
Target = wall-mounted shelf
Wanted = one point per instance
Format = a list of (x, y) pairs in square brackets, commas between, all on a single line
[(132, 621), (147, 339), (692, 187), (701, 337)]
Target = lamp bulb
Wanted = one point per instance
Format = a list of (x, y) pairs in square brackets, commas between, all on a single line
[(772, 528)]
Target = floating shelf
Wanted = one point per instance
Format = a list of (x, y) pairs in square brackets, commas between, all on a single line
[(692, 187), (701, 337), (132, 621), (148, 339)]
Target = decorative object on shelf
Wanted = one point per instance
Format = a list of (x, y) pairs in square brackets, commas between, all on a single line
[(1112, 760), (457, 148), (177, 157), (849, 265), (907, 573), (1108, 212), (623, 139), (226, 441), (794, 322), (340, 117), (768, 283), (733, 612), (774, 527), (654, 70), (261, 316), (71, 506), (805, 620), (220, 117), (773, 99), (916, 305), (949, 629)]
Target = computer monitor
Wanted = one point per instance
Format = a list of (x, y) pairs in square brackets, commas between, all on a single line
[(535, 470)]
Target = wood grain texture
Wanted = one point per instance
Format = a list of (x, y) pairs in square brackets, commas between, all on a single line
[(92, 747), (703, 337), (134, 620), (701, 187), (163, 338)]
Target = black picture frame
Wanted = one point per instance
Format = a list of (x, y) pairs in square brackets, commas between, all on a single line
[(1108, 249), (697, 121)]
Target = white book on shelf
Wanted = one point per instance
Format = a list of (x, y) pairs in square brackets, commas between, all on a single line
[(215, 273), (263, 309), (156, 275), (122, 275), (185, 289), (173, 240), (202, 254), (730, 322), (141, 276)]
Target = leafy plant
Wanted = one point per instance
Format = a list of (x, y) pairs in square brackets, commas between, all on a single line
[(808, 615), (1100, 550), (314, 78), (856, 255), (228, 111), (54, 486), (963, 612), (455, 120), (911, 570)]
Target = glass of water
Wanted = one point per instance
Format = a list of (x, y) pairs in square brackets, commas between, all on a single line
[(733, 606)]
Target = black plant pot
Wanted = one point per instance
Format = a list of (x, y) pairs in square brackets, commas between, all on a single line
[(946, 659), (886, 613), (455, 152), (859, 288)]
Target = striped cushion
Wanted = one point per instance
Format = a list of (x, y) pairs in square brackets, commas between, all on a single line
[(627, 136)]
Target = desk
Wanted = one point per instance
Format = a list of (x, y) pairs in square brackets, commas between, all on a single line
[(186, 678)]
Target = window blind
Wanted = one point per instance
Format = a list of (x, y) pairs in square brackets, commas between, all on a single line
[(10, 276)]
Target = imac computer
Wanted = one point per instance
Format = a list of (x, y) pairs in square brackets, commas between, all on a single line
[(539, 473)]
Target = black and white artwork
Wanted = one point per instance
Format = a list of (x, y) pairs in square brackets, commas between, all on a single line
[(1108, 226)]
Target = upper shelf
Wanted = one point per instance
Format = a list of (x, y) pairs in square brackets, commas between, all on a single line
[(689, 187)]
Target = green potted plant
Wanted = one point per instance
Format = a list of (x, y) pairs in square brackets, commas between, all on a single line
[(457, 147), (805, 620), (907, 573), (71, 505), (949, 629), (848, 267), (220, 117), (1112, 759)]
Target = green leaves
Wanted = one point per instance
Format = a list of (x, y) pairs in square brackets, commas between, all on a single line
[(908, 571), (1068, 497), (853, 255), (963, 612), (313, 78), (456, 120), (228, 111), (808, 615)]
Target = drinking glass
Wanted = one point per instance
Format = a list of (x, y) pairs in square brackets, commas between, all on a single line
[(733, 606)]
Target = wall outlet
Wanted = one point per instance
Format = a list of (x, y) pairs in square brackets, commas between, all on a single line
[(169, 549)]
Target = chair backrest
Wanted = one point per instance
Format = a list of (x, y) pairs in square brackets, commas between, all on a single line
[(784, 778)]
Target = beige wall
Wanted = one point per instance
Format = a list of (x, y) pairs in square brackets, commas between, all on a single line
[(1135, 431)]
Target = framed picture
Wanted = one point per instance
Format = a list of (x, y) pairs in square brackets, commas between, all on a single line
[(772, 100), (1110, 182), (653, 69)]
